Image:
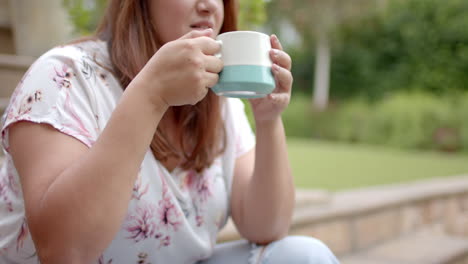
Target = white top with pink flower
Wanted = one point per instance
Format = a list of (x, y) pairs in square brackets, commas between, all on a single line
[(173, 217)]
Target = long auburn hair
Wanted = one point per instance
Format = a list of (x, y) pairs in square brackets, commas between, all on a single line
[(131, 37)]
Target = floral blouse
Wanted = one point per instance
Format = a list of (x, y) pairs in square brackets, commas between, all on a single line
[(173, 217)]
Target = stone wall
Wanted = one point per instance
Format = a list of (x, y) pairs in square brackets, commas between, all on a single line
[(356, 220), (350, 233)]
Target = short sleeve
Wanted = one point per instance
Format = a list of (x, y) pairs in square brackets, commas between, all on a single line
[(55, 91), (243, 134)]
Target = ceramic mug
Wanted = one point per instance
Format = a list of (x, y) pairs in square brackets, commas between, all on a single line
[(247, 65)]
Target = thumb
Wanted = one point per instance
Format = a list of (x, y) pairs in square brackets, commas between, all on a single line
[(198, 33)]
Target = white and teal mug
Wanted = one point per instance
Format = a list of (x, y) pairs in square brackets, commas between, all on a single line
[(247, 65)]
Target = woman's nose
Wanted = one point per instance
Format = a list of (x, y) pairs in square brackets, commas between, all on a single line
[(207, 6)]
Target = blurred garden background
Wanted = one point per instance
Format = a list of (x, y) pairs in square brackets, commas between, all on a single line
[(380, 86), (377, 126), (380, 90)]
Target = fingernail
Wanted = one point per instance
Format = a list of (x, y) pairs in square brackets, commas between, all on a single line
[(276, 38)]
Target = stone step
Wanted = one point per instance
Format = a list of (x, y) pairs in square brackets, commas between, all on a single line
[(424, 247), (352, 221)]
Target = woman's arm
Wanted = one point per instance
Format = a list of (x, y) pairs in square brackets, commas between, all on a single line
[(263, 190), (75, 197)]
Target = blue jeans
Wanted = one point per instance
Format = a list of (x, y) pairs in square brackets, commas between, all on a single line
[(290, 250)]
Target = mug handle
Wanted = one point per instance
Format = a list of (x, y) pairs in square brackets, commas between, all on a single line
[(218, 55)]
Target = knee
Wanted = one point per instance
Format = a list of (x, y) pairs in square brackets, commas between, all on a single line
[(300, 250)]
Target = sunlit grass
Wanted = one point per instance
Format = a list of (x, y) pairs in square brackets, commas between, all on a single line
[(337, 166)]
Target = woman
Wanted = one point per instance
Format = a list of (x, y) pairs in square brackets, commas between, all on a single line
[(118, 152)]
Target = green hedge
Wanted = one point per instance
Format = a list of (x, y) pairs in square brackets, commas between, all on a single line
[(417, 45), (413, 120), (296, 118)]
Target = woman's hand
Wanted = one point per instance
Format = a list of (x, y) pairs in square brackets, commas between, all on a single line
[(271, 106), (182, 71)]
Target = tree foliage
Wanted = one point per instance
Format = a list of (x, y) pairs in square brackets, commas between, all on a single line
[(413, 45), (314, 20), (313, 17), (85, 14), (251, 14)]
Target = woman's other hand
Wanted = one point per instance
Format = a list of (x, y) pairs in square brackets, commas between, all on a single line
[(270, 107)]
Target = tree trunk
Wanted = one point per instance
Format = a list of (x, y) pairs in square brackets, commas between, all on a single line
[(322, 73)]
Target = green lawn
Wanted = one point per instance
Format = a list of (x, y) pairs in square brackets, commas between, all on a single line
[(337, 166)]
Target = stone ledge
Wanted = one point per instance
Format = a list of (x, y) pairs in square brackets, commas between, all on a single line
[(304, 199), (352, 221), (16, 62), (427, 246), (360, 201)]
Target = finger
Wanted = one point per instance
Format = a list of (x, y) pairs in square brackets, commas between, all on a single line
[(275, 43), (280, 98), (283, 78), (213, 64), (208, 45), (281, 58), (198, 33), (211, 79)]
